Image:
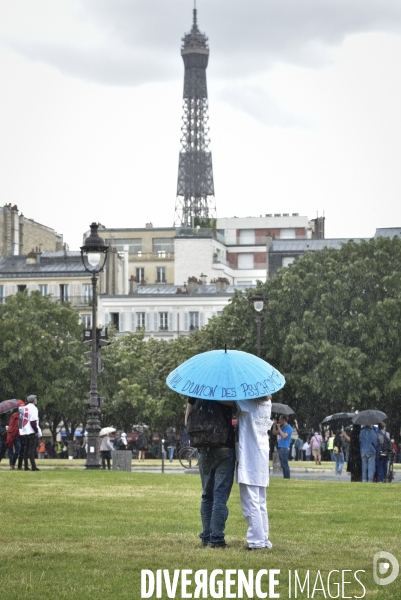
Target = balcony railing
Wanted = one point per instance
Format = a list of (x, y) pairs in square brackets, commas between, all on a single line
[(157, 256), (77, 301), (199, 232)]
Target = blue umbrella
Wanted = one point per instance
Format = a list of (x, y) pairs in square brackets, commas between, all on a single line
[(225, 375)]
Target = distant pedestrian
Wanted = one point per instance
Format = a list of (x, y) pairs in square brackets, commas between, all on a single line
[(284, 431), (354, 464), (315, 445), (298, 448), (3, 435), (338, 452), (41, 449), (330, 446), (105, 451), (14, 439), (368, 445), (142, 446), (171, 443), (306, 450), (346, 443), (30, 429), (383, 453)]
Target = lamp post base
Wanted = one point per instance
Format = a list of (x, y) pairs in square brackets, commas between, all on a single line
[(93, 443)]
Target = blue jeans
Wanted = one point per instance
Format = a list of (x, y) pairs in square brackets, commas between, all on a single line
[(283, 456), (15, 453), (216, 468), (382, 466), (339, 460), (368, 466), (171, 453)]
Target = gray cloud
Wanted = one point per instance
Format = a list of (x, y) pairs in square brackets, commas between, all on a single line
[(260, 105), (141, 39)]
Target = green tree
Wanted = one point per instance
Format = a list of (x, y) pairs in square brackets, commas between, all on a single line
[(41, 353), (332, 328), (133, 381)]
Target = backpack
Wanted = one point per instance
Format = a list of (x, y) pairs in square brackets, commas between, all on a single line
[(386, 446), (209, 424), (119, 444)]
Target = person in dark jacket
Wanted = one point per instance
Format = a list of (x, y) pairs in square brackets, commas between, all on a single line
[(354, 464), (142, 446), (338, 452)]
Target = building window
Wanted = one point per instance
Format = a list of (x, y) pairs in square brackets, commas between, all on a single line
[(64, 292), (43, 289), (140, 321), (1, 294), (245, 261), (115, 320), (163, 321), (247, 237), (21, 288), (193, 321), (134, 244), (163, 245), (87, 291), (287, 233), (87, 321), (140, 274), (287, 260), (161, 275)]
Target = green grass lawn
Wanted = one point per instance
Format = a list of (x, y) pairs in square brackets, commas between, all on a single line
[(86, 535)]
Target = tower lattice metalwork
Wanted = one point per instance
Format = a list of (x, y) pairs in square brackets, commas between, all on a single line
[(195, 187)]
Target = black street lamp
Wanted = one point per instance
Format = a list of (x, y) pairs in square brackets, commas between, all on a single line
[(258, 304), (94, 256)]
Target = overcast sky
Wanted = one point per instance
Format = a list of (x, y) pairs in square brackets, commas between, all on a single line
[(304, 105)]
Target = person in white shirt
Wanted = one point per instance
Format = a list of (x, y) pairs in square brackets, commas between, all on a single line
[(29, 428), (253, 468), (306, 450)]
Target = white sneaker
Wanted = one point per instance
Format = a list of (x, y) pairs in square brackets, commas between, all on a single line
[(268, 545)]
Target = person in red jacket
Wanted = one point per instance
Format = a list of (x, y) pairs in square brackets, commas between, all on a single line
[(14, 440)]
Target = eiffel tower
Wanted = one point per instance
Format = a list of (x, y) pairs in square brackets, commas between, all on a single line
[(195, 187)]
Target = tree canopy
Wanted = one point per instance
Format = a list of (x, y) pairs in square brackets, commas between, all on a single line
[(332, 328), (41, 353)]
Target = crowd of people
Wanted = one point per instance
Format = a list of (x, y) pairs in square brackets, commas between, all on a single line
[(367, 461), (22, 443)]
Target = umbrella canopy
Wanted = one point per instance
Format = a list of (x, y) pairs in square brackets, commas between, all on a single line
[(7, 405), (337, 417), (282, 409), (106, 431), (369, 417), (225, 375)]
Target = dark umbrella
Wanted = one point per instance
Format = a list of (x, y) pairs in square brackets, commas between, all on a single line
[(283, 409), (343, 416), (369, 417), (7, 405)]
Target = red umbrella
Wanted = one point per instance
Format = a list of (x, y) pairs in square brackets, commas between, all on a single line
[(7, 405)]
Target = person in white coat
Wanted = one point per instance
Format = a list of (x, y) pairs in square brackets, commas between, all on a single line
[(254, 423), (29, 428), (105, 451)]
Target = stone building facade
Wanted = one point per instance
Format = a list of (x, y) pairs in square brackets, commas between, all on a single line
[(19, 235)]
